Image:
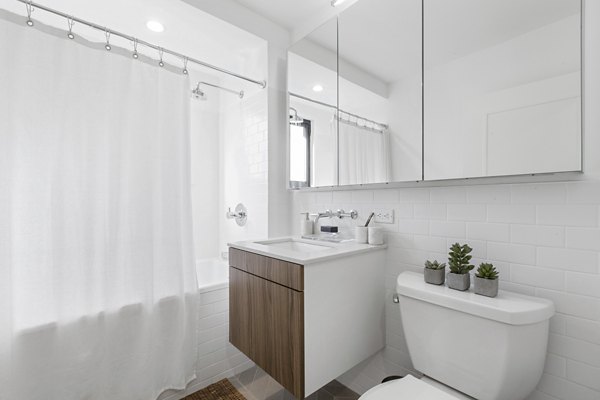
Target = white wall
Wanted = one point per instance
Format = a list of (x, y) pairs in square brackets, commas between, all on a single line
[(230, 166), (204, 132), (544, 237), (279, 215), (244, 167)]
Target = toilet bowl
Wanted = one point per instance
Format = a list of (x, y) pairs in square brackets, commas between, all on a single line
[(412, 388), (448, 335)]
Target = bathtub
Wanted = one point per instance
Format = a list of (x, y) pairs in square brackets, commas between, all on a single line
[(212, 274)]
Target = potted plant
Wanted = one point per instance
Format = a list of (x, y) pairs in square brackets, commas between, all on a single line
[(486, 280), (435, 273), (459, 277)]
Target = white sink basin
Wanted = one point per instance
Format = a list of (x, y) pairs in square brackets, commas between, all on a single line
[(303, 251), (294, 245)]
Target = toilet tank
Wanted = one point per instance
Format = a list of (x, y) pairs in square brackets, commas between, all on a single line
[(488, 348)]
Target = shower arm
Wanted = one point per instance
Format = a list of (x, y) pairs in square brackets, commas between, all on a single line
[(240, 94)]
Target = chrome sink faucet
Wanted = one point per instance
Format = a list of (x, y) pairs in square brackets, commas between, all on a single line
[(318, 216), (338, 214)]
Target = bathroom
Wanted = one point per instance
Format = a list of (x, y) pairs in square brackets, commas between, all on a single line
[(151, 151)]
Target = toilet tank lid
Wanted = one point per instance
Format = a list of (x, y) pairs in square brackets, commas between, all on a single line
[(508, 307)]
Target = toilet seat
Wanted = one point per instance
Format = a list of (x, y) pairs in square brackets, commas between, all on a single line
[(409, 388)]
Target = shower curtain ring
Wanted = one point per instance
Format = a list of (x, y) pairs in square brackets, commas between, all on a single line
[(107, 34), (160, 55), (135, 53), (70, 22), (30, 9), (185, 62)]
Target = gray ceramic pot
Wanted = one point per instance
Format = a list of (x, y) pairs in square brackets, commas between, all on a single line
[(486, 287), (459, 281), (435, 276)]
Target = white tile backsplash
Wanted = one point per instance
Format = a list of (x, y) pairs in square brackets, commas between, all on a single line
[(445, 228), (488, 231), (583, 374), (513, 253), (583, 329), (567, 259), (545, 240), (538, 235), (568, 215), (583, 238), (466, 212), (511, 214)]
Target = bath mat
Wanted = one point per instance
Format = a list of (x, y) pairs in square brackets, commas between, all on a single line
[(222, 390)]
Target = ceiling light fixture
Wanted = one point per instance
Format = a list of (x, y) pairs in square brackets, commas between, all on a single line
[(317, 88), (155, 26), (335, 3)]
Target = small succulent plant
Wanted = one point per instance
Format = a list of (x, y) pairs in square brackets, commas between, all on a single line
[(459, 259), (487, 271), (434, 264)]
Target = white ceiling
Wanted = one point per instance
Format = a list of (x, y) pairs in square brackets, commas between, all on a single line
[(376, 36), (460, 27), (290, 14), (188, 30)]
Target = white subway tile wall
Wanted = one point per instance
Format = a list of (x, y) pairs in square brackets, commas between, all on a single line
[(217, 358), (544, 238)]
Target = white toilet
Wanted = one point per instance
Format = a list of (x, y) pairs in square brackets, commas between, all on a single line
[(466, 344)]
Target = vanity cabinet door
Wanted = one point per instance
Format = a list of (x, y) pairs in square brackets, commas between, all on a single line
[(266, 322)]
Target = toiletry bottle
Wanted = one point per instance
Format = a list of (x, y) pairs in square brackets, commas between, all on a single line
[(306, 225)]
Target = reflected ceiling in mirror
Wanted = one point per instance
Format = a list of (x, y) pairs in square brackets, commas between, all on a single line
[(380, 133), (502, 84)]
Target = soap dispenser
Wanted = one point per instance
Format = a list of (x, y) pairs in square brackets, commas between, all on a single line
[(306, 225)]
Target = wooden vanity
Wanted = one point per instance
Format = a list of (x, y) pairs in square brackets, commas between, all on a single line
[(306, 324), (266, 314)]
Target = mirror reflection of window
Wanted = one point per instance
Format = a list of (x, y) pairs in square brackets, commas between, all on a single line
[(299, 151), (313, 91)]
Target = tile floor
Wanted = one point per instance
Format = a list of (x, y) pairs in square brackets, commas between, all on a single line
[(255, 384)]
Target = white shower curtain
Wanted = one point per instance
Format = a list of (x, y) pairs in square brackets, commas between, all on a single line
[(363, 155), (97, 282)]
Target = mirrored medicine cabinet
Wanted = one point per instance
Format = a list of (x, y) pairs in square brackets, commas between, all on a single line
[(412, 90)]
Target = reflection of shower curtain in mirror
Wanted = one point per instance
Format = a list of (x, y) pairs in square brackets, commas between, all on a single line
[(363, 155), (97, 281)]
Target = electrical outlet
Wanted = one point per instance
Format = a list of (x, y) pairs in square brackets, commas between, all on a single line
[(384, 216)]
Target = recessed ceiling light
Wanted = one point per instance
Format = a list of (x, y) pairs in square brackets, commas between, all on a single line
[(335, 3), (155, 26), (317, 88)]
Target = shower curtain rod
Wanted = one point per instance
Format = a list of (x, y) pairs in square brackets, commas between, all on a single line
[(137, 41), (240, 94), (382, 127)]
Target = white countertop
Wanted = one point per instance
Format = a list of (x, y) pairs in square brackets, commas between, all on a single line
[(270, 248)]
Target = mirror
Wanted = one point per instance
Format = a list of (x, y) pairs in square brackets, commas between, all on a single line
[(313, 91), (499, 92), (380, 133), (502, 84)]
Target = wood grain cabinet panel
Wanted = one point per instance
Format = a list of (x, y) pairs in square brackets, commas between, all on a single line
[(278, 271), (267, 324), (237, 258)]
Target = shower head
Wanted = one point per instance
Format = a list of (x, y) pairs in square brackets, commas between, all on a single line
[(295, 118), (198, 94)]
